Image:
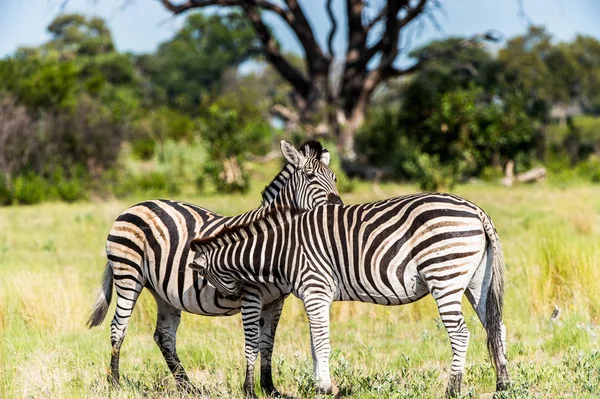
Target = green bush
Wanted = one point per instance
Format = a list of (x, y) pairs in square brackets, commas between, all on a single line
[(589, 169), (30, 189), (143, 148), (68, 189), (429, 173), (229, 139)]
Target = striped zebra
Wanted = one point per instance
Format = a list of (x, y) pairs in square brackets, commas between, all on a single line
[(148, 247), (389, 252)]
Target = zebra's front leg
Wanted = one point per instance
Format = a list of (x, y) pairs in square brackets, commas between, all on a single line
[(317, 309), (269, 319), (251, 309)]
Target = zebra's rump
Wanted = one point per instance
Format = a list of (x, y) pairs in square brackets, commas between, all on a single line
[(148, 247)]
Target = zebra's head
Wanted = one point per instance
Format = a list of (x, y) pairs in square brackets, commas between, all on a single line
[(225, 281), (312, 182)]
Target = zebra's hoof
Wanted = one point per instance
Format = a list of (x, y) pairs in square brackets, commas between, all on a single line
[(273, 393), (324, 389), (502, 386), (249, 389), (188, 388), (113, 381), (453, 388)]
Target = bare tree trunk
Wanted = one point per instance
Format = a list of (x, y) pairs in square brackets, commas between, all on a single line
[(232, 173)]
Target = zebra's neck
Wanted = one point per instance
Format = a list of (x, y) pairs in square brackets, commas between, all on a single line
[(275, 189), (284, 197)]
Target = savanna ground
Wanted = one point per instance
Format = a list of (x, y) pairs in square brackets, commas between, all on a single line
[(52, 257)]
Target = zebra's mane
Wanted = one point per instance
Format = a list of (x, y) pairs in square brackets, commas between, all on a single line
[(310, 149), (275, 215)]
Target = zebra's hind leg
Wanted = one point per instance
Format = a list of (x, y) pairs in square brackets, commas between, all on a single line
[(448, 301), (251, 310), (478, 292), (167, 322), (128, 290), (269, 319)]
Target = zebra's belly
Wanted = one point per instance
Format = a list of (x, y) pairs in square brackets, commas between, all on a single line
[(387, 294)]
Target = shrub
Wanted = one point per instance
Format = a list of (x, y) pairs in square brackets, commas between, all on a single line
[(589, 169), (143, 148), (30, 189), (229, 140), (68, 189), (429, 173)]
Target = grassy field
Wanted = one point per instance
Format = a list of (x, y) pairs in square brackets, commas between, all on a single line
[(51, 261)]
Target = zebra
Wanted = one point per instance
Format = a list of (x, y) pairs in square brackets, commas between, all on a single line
[(389, 252), (147, 247)]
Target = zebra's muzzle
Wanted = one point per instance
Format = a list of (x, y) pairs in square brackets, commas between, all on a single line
[(333, 199)]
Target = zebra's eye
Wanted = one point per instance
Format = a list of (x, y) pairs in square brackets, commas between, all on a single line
[(310, 175)]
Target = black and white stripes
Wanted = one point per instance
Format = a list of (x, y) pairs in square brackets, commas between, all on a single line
[(147, 247), (389, 252)]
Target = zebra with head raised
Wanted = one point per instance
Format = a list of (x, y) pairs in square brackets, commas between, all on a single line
[(389, 252), (147, 247)]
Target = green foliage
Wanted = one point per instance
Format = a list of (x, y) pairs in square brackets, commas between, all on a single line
[(452, 122), (175, 167), (429, 173), (69, 189), (29, 189), (45, 83), (190, 66), (229, 139), (78, 35)]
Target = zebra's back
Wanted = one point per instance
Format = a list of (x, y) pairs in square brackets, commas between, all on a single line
[(394, 251)]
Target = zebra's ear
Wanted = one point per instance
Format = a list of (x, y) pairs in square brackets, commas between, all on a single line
[(292, 155), (325, 157), (199, 264), (195, 245)]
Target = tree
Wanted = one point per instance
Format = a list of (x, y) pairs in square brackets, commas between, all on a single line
[(191, 65), (76, 34), (319, 102)]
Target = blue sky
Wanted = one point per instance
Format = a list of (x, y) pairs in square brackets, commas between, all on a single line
[(142, 24)]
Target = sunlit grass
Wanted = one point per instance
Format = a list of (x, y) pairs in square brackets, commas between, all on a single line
[(51, 260)]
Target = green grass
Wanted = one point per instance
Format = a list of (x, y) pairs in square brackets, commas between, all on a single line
[(51, 261)]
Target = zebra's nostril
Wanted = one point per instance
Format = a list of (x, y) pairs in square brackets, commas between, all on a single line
[(333, 199)]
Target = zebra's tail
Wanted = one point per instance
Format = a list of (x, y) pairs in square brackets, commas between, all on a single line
[(98, 312), (495, 297)]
